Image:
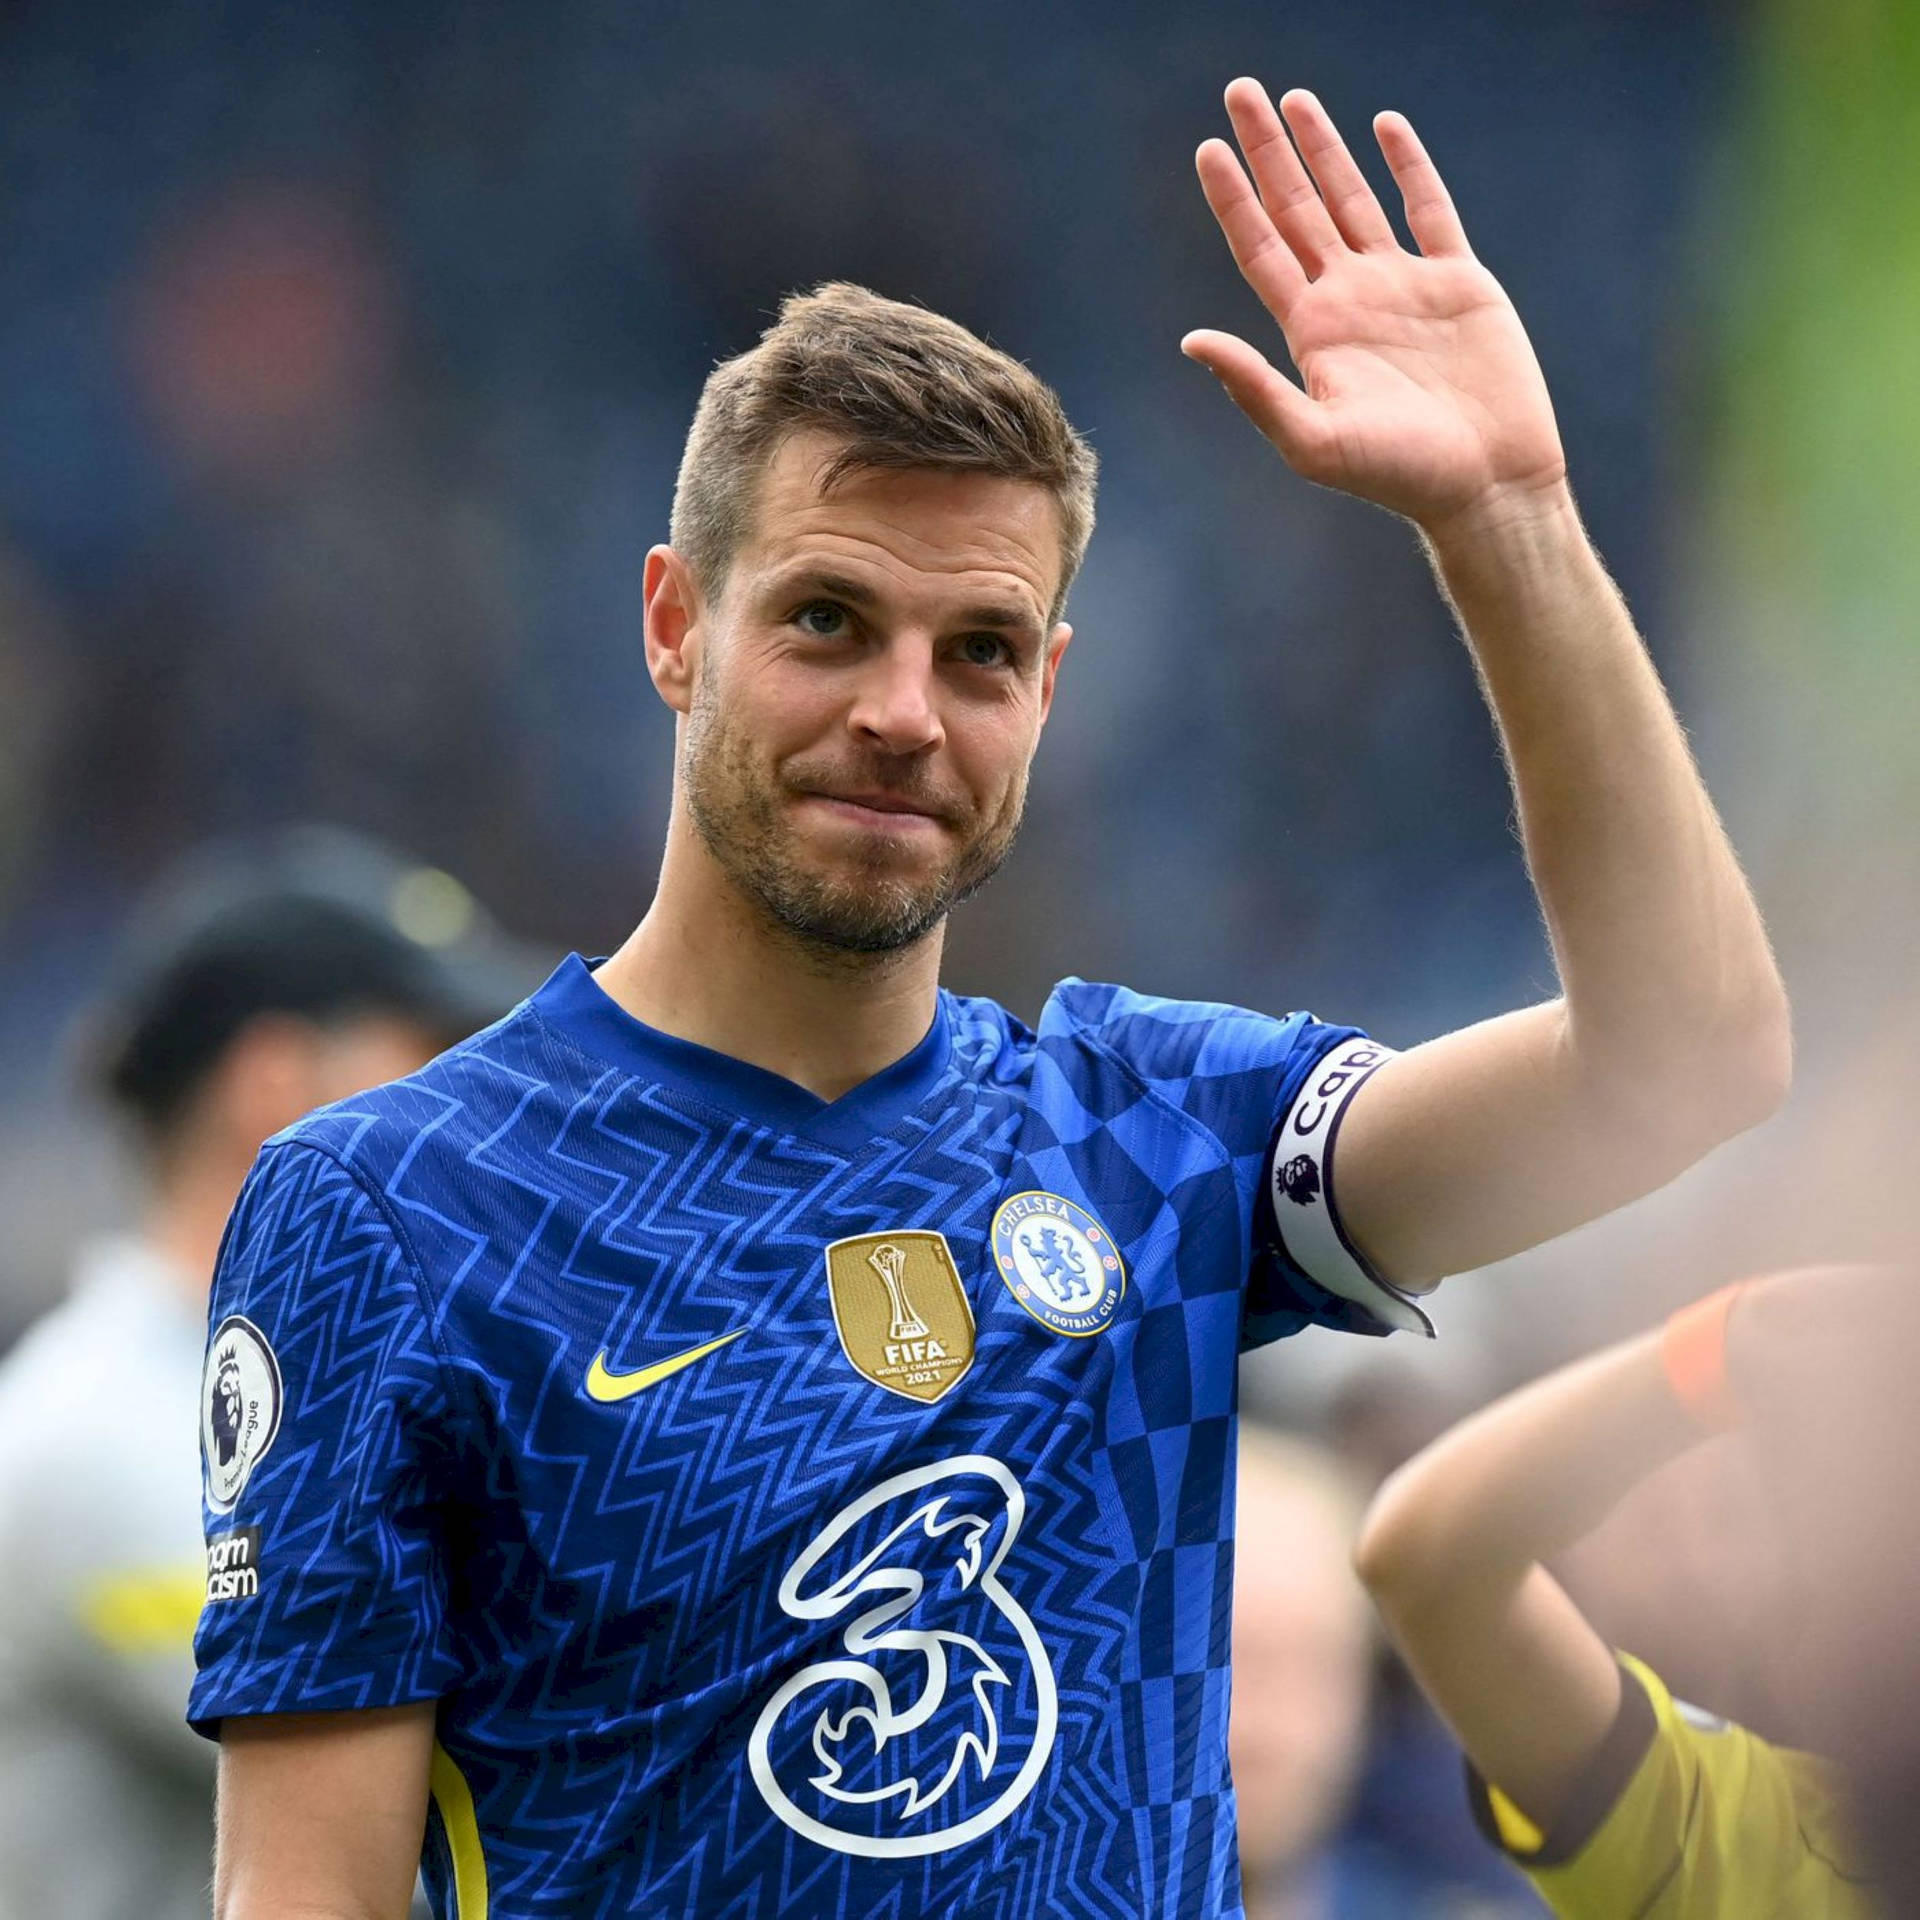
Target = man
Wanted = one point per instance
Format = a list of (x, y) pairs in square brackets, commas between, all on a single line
[(274, 980), (1614, 1797), (754, 1433)]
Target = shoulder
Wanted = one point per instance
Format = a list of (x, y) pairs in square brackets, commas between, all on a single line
[(1158, 1030), (988, 1041), (1778, 1802), (445, 1109), (96, 1433), (40, 1394), (1678, 1792), (1163, 1037), (315, 1233), (106, 1358)]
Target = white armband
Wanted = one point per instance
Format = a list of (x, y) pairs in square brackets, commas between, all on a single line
[(1300, 1184)]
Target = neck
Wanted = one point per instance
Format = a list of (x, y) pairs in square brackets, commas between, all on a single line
[(711, 966), (186, 1217)]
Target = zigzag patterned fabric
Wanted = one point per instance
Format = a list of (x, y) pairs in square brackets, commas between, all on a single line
[(795, 1508)]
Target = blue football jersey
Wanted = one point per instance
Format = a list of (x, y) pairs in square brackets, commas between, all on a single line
[(794, 1507)]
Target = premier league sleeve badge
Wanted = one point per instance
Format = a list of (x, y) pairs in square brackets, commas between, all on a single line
[(240, 1404)]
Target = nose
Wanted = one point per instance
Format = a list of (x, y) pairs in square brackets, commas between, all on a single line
[(895, 706)]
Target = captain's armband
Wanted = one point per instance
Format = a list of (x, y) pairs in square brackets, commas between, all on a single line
[(1300, 1187)]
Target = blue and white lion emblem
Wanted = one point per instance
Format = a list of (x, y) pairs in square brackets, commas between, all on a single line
[(1060, 1263)]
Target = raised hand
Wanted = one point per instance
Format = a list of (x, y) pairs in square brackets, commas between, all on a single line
[(1422, 393)]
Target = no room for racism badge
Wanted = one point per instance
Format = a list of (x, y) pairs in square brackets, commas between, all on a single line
[(1059, 1262)]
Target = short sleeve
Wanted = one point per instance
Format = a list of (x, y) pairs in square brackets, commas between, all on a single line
[(327, 1451), (1682, 1815), (1242, 1076)]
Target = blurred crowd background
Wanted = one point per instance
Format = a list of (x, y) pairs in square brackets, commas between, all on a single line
[(345, 356)]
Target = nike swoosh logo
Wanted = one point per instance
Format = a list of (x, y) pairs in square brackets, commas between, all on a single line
[(610, 1388)]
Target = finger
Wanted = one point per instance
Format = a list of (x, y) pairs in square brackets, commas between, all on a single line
[(1431, 218), (1266, 396), (1362, 221), (1286, 192), (1266, 262)]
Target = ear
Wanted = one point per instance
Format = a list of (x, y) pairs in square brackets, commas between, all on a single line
[(673, 616), (1056, 648)]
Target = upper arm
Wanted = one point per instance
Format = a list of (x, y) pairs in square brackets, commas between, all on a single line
[(1241, 1080), (1528, 1687), (330, 1429), (1482, 1143), (322, 1815)]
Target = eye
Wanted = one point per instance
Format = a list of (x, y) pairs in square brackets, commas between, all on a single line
[(985, 650), (822, 618)]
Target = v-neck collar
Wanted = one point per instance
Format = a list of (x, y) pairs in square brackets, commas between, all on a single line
[(575, 1002)]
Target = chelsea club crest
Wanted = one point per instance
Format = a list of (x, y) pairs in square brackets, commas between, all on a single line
[(1059, 1262)]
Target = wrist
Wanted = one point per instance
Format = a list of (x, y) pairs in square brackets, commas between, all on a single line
[(1693, 1356), (1509, 521)]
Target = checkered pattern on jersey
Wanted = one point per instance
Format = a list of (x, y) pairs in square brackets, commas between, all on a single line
[(594, 1592)]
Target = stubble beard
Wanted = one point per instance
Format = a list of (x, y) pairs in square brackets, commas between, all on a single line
[(860, 910)]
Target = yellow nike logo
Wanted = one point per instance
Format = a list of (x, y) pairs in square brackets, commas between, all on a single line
[(608, 1388)]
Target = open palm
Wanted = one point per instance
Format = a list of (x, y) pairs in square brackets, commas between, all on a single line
[(1422, 392)]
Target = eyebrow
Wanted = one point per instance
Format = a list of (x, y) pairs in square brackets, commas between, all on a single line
[(1004, 615)]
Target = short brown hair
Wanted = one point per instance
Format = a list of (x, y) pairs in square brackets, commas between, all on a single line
[(900, 387)]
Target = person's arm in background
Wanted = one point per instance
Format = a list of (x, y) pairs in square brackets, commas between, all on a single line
[(321, 1815), (107, 1621), (1453, 1546), (128, 1645), (1422, 395)]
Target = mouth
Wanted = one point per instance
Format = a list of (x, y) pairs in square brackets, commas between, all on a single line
[(879, 811)]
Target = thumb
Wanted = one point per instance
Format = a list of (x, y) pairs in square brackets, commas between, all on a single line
[(1293, 422)]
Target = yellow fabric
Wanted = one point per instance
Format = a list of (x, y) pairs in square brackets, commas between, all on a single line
[(1715, 1824), (147, 1611), (1518, 1834), (454, 1798)]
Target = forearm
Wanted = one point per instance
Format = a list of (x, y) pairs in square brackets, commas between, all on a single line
[(1524, 1478), (1664, 964), (1452, 1553)]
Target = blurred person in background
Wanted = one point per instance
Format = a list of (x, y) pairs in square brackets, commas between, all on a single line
[(1303, 1659), (1835, 1435), (1614, 1797), (262, 982)]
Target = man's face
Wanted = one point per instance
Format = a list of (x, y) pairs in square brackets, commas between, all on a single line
[(868, 691)]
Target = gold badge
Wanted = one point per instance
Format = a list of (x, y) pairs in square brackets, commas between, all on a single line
[(901, 1311)]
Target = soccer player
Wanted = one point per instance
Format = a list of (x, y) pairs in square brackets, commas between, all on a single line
[(262, 982), (1612, 1795), (753, 1432)]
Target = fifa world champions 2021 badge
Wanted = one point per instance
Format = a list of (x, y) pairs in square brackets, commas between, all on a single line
[(1059, 1262), (240, 1404), (901, 1311)]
